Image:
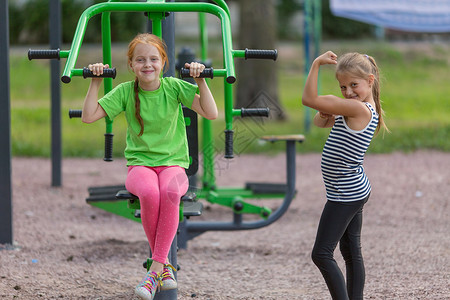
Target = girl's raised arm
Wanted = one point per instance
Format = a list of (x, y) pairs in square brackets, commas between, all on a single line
[(310, 95), (92, 111), (204, 103), (328, 104)]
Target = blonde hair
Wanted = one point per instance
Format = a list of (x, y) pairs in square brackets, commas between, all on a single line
[(362, 66), (149, 39)]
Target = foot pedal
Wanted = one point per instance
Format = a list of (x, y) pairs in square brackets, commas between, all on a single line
[(266, 188), (192, 209)]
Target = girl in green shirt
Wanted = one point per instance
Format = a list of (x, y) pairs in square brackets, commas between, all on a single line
[(157, 150)]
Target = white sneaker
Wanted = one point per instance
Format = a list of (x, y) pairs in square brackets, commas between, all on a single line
[(168, 281), (147, 288)]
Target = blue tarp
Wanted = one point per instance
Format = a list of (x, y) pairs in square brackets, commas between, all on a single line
[(406, 15)]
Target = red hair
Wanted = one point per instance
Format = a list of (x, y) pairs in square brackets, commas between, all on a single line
[(153, 40)]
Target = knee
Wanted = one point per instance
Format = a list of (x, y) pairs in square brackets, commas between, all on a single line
[(345, 251), (173, 193), (315, 257), (350, 253), (148, 196), (318, 255), (174, 196)]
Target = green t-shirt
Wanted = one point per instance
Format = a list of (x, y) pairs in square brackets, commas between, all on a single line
[(164, 141)]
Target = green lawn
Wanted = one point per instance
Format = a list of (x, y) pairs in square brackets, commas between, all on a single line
[(415, 94)]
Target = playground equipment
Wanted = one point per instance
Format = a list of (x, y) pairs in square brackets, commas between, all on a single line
[(6, 228), (234, 198)]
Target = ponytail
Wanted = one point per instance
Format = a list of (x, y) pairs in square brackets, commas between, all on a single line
[(362, 66), (376, 95)]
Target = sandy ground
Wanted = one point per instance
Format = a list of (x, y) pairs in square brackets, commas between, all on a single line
[(66, 249)]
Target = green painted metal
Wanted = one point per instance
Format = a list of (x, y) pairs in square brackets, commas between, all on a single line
[(228, 92), (64, 53), (150, 7), (117, 207), (235, 198), (224, 196), (107, 59), (208, 139), (239, 53)]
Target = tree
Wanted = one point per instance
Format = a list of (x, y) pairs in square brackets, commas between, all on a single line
[(257, 80)]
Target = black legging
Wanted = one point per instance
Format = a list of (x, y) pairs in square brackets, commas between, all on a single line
[(341, 222)]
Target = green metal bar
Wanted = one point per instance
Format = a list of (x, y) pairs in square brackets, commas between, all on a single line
[(203, 36), (154, 7), (237, 113), (123, 208), (227, 193), (239, 53), (208, 180), (228, 92), (220, 73), (107, 59), (117, 207), (64, 53), (156, 19), (76, 72), (231, 197), (223, 5)]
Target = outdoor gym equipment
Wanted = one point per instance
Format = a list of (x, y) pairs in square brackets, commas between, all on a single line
[(234, 198), (230, 197), (156, 12), (6, 212)]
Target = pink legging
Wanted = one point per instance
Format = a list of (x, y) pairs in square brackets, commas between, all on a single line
[(159, 190)]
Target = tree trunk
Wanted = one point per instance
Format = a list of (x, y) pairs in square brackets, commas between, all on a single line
[(257, 80)]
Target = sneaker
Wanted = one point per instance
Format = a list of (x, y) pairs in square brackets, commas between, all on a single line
[(147, 288), (168, 281)]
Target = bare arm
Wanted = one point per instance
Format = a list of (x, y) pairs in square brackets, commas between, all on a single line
[(328, 104), (203, 103), (92, 111), (323, 120)]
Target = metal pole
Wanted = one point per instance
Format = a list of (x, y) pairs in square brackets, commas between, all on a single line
[(168, 35), (6, 230), (307, 39), (55, 43)]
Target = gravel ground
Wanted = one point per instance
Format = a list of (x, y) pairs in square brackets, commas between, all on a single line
[(66, 249)]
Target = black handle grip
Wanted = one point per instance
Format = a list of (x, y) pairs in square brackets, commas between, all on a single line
[(108, 147), (255, 112), (207, 73), (75, 113), (109, 73), (43, 54), (262, 54), (229, 144)]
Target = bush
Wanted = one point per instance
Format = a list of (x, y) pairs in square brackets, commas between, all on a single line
[(29, 22)]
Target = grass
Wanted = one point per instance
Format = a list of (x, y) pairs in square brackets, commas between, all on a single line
[(415, 93)]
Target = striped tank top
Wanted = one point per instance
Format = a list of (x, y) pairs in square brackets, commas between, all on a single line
[(342, 160)]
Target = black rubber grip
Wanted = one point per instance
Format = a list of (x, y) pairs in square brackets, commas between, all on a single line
[(262, 54), (75, 113), (255, 112), (43, 54), (108, 147), (109, 73), (207, 73), (229, 144)]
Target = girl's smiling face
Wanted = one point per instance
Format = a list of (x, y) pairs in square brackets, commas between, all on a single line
[(355, 88), (147, 65)]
